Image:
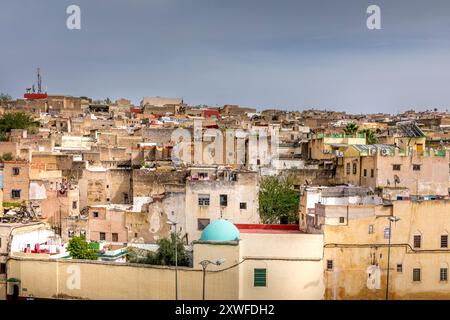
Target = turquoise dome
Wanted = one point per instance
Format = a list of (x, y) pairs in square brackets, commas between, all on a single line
[(220, 230)]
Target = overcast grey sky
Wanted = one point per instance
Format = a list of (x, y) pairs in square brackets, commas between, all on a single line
[(267, 54)]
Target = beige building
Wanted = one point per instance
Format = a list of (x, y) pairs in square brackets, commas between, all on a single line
[(213, 193), (321, 145), (107, 223), (15, 237), (257, 264), (356, 241), (388, 168), (16, 181)]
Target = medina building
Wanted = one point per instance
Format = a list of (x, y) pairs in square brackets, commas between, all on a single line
[(357, 249), (395, 171), (241, 262), (214, 192)]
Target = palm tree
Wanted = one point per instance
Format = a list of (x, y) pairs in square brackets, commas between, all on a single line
[(371, 137), (351, 129)]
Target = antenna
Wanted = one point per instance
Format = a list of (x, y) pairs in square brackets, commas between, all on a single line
[(39, 80), (36, 92)]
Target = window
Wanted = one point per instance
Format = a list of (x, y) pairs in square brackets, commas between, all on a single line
[(396, 167), (416, 167), (417, 241), (443, 274), (223, 200), (444, 241), (341, 219), (370, 228), (348, 168), (135, 235), (74, 204), (2, 268), (399, 267), (15, 171), (387, 231), (83, 233), (15, 194), (354, 168), (329, 265), (95, 214), (203, 199), (243, 205), (365, 172), (416, 274), (202, 223), (102, 236), (115, 237), (203, 175), (259, 277), (371, 173), (70, 233)]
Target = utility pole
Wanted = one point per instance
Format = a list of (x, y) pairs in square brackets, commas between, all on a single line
[(395, 219), (205, 264), (176, 257), (176, 263)]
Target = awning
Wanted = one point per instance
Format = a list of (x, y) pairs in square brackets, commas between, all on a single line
[(13, 280)]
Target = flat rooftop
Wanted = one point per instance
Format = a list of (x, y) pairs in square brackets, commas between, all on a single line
[(269, 228)]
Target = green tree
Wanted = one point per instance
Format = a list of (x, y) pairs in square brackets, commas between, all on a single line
[(5, 97), (165, 255), (15, 120), (278, 200), (351, 128), (79, 249), (371, 137), (7, 156)]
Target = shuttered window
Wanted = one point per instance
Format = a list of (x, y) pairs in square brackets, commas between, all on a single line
[(444, 241), (417, 241), (260, 277), (443, 274), (203, 199), (329, 265)]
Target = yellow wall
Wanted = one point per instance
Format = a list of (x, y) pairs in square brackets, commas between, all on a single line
[(353, 249), (102, 280), (293, 263)]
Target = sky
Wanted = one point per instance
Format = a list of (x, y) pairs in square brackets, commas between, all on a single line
[(283, 54)]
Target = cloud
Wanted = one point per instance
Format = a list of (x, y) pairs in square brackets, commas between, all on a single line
[(285, 54)]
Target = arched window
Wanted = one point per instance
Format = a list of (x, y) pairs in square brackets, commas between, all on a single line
[(417, 240), (443, 272), (354, 168), (348, 168), (444, 240)]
